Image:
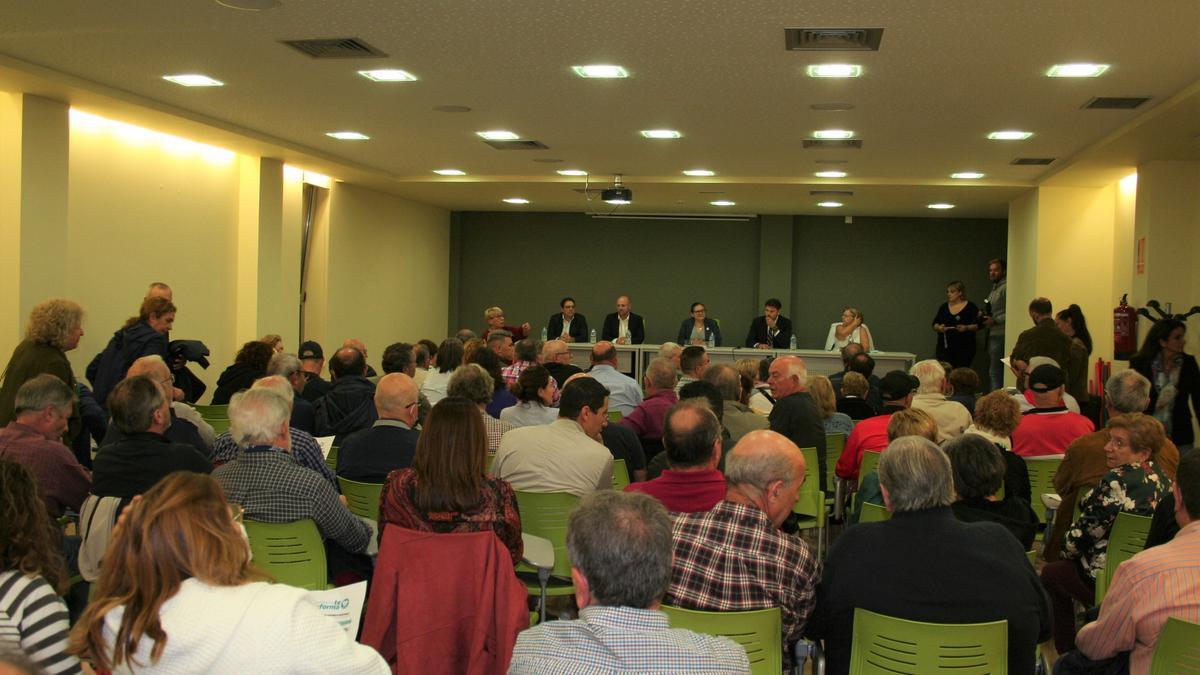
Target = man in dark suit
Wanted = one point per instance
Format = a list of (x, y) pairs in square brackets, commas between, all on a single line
[(567, 325), (623, 327), (770, 331), (390, 443)]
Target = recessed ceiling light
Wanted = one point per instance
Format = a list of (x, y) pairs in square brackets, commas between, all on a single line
[(388, 75), (834, 70), (450, 172), (497, 135), (661, 133), (833, 134), (967, 175), (829, 205), (572, 172), (1077, 70), (941, 206), (699, 173), (831, 174), (723, 202), (516, 200), (249, 5), (194, 80), (600, 71), (348, 135), (1009, 135)]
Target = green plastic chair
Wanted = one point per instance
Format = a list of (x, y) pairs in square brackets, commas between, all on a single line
[(887, 645), (544, 514), (870, 462), (615, 416), (362, 498), (293, 553), (873, 513), (759, 632), (834, 444), (620, 475), (213, 412), (1041, 478), (811, 504), (1177, 651), (1032, 555), (219, 425), (331, 460), (1126, 539)]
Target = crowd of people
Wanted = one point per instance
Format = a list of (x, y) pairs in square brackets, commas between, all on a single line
[(123, 510)]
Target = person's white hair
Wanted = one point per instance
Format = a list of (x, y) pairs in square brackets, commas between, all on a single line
[(277, 384), (256, 415), (668, 350), (930, 374), (916, 474)]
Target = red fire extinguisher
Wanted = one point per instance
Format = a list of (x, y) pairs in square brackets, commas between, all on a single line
[(1124, 330)]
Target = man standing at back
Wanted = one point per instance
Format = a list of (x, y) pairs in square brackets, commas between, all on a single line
[(795, 414), (1044, 339), (623, 327), (771, 330), (626, 394), (620, 549), (734, 557), (995, 318)]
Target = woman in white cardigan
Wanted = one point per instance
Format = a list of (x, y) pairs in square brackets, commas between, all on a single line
[(850, 329), (177, 594)]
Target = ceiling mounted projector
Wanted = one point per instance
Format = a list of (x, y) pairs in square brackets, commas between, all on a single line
[(617, 194)]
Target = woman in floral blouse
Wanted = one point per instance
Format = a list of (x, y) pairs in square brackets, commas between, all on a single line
[(1133, 484), (447, 489)]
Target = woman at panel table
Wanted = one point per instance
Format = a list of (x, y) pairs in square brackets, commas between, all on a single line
[(956, 323), (697, 329), (850, 329)]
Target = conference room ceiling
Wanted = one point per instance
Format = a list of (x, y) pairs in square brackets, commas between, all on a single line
[(945, 75)]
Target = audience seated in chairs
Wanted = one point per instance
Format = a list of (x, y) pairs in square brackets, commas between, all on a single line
[(997, 415), (187, 427), (401, 357), (795, 414), (250, 364), (620, 549), (1049, 427), (556, 358), (871, 435), (289, 367), (737, 417), (646, 420), (177, 594), (978, 475), (472, 382), (349, 405), (449, 357), (369, 455), (693, 449), (33, 439), (822, 392), (535, 390), (853, 401), (952, 417), (936, 569), (499, 397)]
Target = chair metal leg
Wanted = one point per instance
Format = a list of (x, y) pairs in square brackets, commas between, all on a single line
[(543, 581), (839, 499)]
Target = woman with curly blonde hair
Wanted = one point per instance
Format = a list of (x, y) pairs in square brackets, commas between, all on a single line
[(33, 618), (177, 594), (55, 327)]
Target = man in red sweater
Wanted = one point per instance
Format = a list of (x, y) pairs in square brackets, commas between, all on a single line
[(870, 435), (692, 438), (1049, 427)]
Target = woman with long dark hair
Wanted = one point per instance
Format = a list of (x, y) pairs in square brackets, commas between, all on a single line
[(1174, 378), (448, 488), (449, 357), (1071, 322)]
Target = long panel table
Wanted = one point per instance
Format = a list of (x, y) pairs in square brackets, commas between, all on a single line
[(633, 358)]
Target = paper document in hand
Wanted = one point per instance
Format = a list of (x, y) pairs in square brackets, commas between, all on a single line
[(344, 605), (326, 443)]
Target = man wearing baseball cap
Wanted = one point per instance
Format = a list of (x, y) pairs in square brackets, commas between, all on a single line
[(1049, 427), (312, 362), (870, 435)]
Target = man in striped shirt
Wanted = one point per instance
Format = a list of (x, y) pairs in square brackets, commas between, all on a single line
[(1155, 584)]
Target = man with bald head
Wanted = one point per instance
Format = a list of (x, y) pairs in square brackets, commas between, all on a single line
[(349, 405), (734, 557), (623, 326), (738, 419), (390, 443), (692, 440), (362, 347), (647, 419), (186, 425), (625, 394), (795, 414), (556, 358)]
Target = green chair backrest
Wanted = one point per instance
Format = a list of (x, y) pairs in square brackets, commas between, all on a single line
[(293, 552), (219, 425), (812, 501), (331, 460), (620, 475), (615, 416), (870, 462), (1032, 555), (759, 632), (545, 514), (834, 444), (884, 644), (1177, 651), (1041, 476), (1127, 539), (213, 412), (873, 513), (362, 498)]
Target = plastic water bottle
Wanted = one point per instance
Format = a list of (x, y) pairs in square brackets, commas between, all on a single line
[(792, 343), (592, 336), (543, 333), (708, 338)]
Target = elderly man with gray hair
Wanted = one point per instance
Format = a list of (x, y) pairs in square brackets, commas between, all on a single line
[(186, 425), (288, 366), (734, 557), (647, 418), (474, 383), (934, 567), (952, 417), (1083, 464), (620, 548), (738, 419), (41, 409), (267, 482)]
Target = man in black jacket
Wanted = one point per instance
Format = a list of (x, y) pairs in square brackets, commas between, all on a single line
[(567, 325), (771, 330), (795, 414), (368, 455), (349, 405), (623, 327)]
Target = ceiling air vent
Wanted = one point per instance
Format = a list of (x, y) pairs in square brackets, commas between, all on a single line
[(832, 39), (1115, 102), (518, 145), (336, 48), (831, 193), (1033, 161), (823, 144)]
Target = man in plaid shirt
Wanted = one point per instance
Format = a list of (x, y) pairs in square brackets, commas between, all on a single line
[(273, 488), (735, 557), (526, 356)]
